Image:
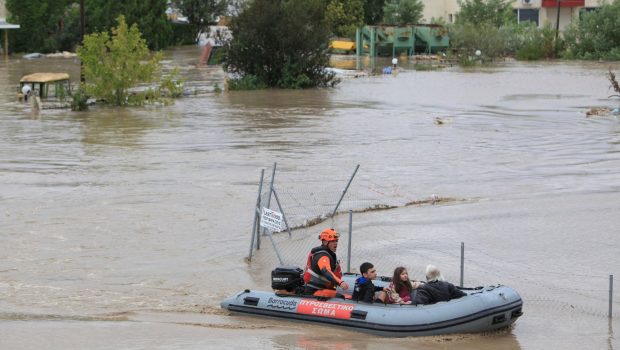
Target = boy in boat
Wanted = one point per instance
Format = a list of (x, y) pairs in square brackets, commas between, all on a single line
[(364, 289), (323, 273), (436, 289)]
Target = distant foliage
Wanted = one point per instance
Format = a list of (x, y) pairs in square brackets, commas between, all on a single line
[(467, 38), (54, 25), (535, 43), (202, 13), (596, 35), (373, 11), (491, 27), (149, 15), (280, 43), (344, 17), (46, 25), (115, 63), (485, 12), (402, 12)]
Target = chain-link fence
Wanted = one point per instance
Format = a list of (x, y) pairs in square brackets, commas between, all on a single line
[(384, 234)]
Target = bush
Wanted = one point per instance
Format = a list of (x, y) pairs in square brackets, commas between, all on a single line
[(596, 34), (79, 100), (115, 63), (467, 38), (280, 43), (247, 82), (536, 43)]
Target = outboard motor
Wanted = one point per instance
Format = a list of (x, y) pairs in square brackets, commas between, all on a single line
[(287, 278)]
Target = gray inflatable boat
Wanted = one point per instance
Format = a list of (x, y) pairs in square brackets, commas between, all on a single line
[(482, 309)]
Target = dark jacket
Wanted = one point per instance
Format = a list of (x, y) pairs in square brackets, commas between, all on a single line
[(317, 278), (436, 291), (364, 290)]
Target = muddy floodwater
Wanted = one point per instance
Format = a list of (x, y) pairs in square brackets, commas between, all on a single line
[(125, 228)]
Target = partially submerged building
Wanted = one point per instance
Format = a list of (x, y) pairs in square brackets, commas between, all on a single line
[(537, 11)]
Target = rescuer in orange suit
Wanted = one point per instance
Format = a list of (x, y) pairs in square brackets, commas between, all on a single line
[(323, 273)]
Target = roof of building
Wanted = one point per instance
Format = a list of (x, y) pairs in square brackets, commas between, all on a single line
[(5, 25), (43, 77)]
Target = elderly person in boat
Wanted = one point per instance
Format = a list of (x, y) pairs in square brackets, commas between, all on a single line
[(435, 289)]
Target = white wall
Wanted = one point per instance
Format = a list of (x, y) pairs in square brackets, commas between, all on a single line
[(440, 9), (2, 9)]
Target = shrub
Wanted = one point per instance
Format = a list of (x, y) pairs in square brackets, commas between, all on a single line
[(280, 43), (79, 101), (595, 35)]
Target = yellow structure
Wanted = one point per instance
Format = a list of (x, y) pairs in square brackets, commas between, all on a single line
[(342, 45), (47, 84)]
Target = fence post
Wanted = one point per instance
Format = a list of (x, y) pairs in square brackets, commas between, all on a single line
[(256, 214), (345, 190), (350, 237), (273, 175), (275, 247), (462, 261), (275, 195), (611, 294)]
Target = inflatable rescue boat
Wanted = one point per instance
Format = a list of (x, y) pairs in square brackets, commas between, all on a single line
[(482, 309)]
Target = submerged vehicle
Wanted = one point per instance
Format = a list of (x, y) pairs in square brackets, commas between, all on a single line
[(482, 309), (47, 85)]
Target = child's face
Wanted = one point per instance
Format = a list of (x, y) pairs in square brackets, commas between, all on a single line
[(371, 274), (404, 275)]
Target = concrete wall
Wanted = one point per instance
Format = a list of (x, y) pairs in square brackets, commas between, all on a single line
[(2, 10), (445, 9)]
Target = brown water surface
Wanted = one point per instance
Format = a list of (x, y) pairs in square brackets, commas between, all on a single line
[(125, 228)]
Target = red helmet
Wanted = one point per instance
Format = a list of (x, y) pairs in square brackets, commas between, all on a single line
[(329, 234)]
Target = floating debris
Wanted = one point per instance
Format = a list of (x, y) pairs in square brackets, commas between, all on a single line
[(598, 112)]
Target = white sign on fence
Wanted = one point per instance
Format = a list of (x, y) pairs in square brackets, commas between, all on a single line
[(271, 220)]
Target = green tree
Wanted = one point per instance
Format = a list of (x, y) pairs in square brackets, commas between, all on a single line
[(115, 63), (280, 43), (43, 23), (149, 15), (344, 17), (373, 11), (491, 12), (403, 12), (202, 13), (596, 34)]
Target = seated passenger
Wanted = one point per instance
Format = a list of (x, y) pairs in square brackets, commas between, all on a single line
[(399, 291), (364, 289), (436, 289)]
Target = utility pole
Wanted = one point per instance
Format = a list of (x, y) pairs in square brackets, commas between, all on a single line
[(82, 77)]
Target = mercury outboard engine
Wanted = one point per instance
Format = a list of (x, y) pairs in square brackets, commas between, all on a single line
[(287, 278)]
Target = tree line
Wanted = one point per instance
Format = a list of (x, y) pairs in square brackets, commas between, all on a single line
[(54, 25), (284, 43)]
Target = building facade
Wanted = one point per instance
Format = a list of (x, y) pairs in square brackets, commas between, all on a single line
[(3, 14), (538, 11)]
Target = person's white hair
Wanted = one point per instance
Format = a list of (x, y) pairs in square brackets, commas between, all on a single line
[(433, 274)]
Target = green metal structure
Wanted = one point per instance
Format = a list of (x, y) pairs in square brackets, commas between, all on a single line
[(393, 41)]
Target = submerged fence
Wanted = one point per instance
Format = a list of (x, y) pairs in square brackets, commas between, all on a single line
[(361, 210)]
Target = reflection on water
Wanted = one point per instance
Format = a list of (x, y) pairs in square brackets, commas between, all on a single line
[(335, 338), (115, 126), (610, 345)]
